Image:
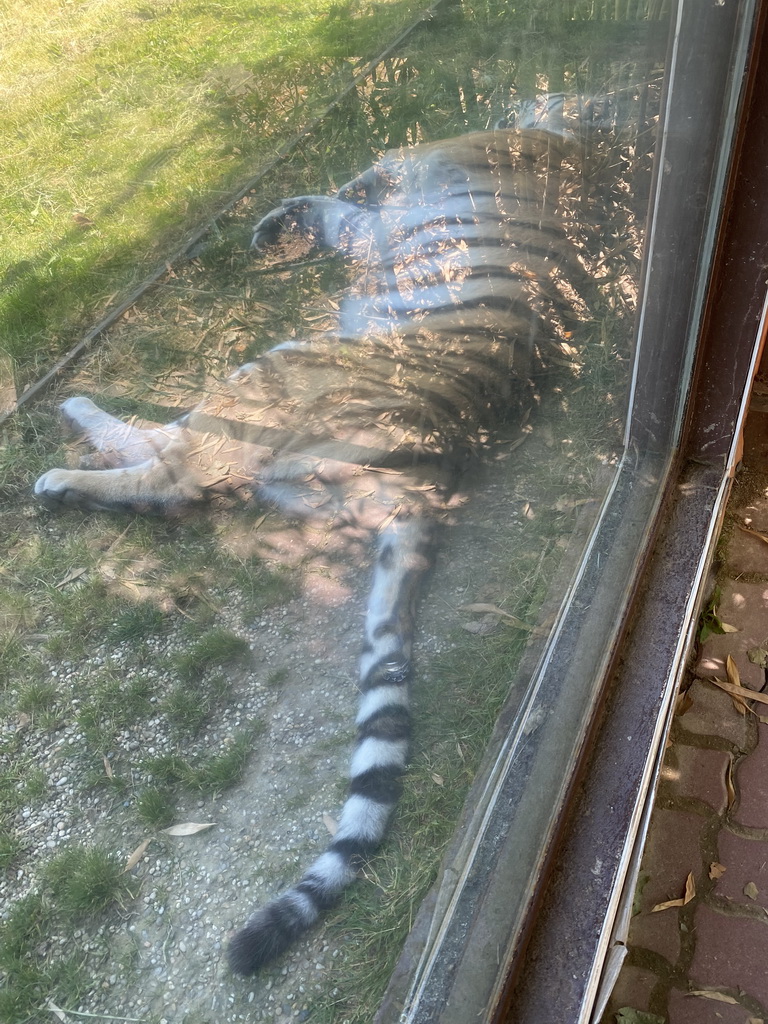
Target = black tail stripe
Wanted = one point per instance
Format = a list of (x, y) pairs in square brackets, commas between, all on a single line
[(391, 722), (382, 785)]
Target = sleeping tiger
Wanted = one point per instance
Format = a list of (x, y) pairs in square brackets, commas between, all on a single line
[(459, 274)]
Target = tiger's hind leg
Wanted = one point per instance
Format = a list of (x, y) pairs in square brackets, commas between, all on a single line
[(119, 443), (379, 759)]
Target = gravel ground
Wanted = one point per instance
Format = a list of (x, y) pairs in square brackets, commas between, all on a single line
[(160, 958)]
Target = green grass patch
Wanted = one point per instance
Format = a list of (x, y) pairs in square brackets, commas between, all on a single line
[(126, 125), (156, 806), (84, 881), (215, 648), (210, 774)]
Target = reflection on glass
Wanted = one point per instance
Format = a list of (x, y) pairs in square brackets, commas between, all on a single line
[(454, 320)]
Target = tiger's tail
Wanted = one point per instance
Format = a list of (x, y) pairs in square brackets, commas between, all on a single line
[(379, 760)]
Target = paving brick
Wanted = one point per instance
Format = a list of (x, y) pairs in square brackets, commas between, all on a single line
[(688, 1009), (672, 850), (752, 785), (659, 933), (745, 553), (697, 773), (730, 953), (746, 861), (744, 605), (712, 713), (633, 988)]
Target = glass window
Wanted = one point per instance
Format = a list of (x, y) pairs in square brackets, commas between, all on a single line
[(475, 355)]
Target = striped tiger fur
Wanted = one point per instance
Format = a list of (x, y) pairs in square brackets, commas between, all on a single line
[(458, 271)]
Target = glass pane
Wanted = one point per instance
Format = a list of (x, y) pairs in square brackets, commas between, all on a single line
[(441, 370)]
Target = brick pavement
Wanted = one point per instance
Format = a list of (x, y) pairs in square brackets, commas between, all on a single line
[(707, 962)]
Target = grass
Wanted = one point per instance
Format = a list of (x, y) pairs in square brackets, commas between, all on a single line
[(126, 125), (79, 885)]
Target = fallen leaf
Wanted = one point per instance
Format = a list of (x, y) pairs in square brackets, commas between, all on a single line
[(751, 890), (755, 1020), (758, 656), (331, 824), (742, 691), (188, 828), (690, 888), (712, 993), (136, 856), (716, 870), (74, 575), (492, 609), (727, 628), (690, 892), (729, 784), (684, 703), (438, 779), (755, 533), (732, 672), (107, 767), (56, 1010)]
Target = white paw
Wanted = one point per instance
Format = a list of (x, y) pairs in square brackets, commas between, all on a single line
[(55, 489), (76, 412)]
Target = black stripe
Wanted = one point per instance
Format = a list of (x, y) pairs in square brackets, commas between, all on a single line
[(390, 722), (354, 850), (382, 785), (318, 891)]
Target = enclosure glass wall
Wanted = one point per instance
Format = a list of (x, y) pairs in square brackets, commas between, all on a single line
[(477, 358)]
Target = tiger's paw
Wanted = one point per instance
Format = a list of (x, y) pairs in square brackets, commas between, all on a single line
[(56, 489)]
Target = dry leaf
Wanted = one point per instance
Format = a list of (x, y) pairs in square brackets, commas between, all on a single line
[(136, 856), (729, 784), (684, 702), (331, 824), (751, 890), (712, 993), (716, 870), (755, 1020), (107, 767), (188, 828), (74, 575), (690, 892), (690, 888), (726, 628), (492, 609), (755, 533), (438, 779), (741, 691), (758, 656), (732, 671)]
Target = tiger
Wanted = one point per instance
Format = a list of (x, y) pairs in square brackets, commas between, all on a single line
[(458, 271)]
